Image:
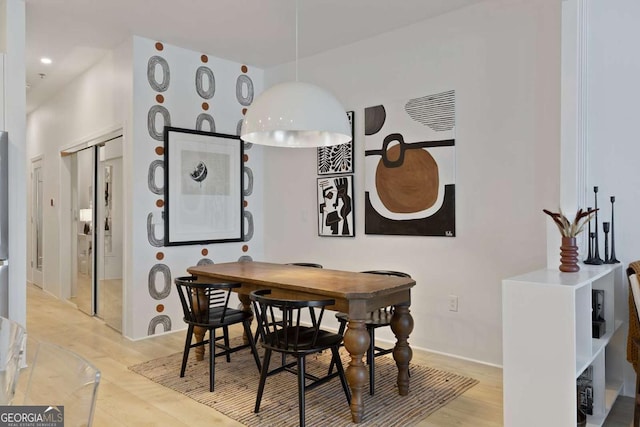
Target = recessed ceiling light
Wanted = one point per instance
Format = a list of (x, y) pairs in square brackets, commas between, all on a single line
[(46, 60)]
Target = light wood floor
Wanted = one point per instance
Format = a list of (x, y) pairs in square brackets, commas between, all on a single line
[(128, 399)]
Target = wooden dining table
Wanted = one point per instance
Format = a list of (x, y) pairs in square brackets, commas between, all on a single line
[(357, 294)]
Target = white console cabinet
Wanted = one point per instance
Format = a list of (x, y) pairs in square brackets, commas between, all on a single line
[(547, 343)]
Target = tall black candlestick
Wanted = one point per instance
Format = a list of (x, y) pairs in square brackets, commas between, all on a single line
[(605, 228), (613, 259), (596, 260), (589, 255)]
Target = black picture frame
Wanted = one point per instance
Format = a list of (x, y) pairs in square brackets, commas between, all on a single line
[(337, 159), (203, 182), (335, 206)]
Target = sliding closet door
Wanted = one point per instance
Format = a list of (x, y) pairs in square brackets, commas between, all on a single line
[(83, 173), (109, 233)]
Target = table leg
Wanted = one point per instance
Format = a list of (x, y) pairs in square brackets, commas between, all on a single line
[(246, 306), (402, 326), (199, 299), (356, 341), (199, 334)]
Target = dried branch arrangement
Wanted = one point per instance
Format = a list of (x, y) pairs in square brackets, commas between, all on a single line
[(573, 228)]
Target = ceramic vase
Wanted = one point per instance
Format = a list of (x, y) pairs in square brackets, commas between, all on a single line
[(569, 255)]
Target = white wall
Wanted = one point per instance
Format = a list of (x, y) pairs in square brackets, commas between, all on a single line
[(614, 91), (612, 113), (12, 42), (503, 60)]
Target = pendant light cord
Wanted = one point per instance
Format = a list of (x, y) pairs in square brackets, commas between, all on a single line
[(296, 41)]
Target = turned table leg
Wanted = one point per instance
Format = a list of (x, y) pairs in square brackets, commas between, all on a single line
[(199, 333), (402, 326), (356, 341), (246, 306)]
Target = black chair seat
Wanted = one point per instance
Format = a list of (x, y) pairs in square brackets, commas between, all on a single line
[(306, 342), (231, 317)]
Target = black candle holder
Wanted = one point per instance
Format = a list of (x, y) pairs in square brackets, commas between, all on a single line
[(605, 228), (595, 260), (589, 242), (612, 259)]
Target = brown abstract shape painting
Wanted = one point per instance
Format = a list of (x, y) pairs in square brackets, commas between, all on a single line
[(410, 166), (409, 188)]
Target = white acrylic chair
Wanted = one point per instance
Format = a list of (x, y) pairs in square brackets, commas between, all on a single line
[(60, 377), (11, 336)]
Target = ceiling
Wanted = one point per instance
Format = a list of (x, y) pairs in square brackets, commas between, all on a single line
[(77, 33)]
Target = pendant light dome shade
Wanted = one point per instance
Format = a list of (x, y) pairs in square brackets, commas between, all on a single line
[(295, 114)]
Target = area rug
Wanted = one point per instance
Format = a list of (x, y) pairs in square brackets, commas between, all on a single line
[(237, 382)]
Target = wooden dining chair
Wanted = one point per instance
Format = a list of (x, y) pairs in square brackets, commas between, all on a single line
[(282, 331), (375, 319), (206, 305)]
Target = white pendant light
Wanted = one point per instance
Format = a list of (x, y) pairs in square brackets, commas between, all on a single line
[(296, 114)]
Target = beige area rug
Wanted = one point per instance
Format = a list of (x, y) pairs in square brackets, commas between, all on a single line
[(237, 383)]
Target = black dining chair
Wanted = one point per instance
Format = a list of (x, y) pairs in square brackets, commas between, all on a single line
[(282, 331), (376, 319), (299, 264), (205, 305)]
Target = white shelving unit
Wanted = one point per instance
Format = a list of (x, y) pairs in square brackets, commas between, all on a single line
[(547, 343)]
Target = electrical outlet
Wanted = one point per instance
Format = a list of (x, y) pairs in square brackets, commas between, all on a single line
[(453, 303)]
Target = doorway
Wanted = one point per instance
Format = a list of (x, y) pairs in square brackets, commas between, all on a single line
[(97, 201), (36, 246)]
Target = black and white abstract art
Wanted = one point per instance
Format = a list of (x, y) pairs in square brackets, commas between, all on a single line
[(203, 187), (410, 166), (338, 158), (335, 206)]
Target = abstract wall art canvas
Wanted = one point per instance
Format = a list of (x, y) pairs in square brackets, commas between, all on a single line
[(410, 166), (338, 158), (335, 206)]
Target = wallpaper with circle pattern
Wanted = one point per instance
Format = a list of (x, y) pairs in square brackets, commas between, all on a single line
[(167, 78)]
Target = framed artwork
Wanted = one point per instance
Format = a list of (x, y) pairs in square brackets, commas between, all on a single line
[(338, 158), (410, 166), (203, 187), (335, 206)]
